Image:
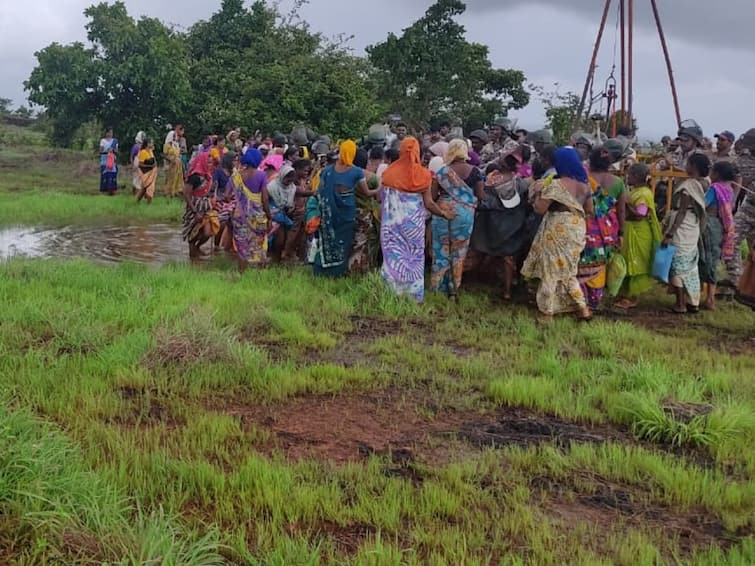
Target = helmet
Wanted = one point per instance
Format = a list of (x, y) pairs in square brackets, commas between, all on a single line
[(377, 134), (540, 136), (320, 147), (504, 123), (481, 135), (581, 138), (616, 149), (692, 129), (748, 139), (299, 135)]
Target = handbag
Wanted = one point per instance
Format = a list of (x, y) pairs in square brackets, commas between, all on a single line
[(662, 262)]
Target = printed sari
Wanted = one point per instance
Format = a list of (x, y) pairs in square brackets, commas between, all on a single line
[(147, 173), (451, 237), (685, 271), (640, 237), (717, 236), (402, 239), (337, 224), (555, 253), (174, 169), (602, 235), (249, 221)]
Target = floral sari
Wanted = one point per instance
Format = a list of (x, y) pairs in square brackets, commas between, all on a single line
[(249, 221), (555, 253)]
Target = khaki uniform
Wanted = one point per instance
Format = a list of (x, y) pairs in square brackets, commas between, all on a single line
[(744, 219)]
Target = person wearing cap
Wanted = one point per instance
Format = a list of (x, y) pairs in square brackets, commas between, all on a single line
[(478, 140), (539, 139), (583, 143), (690, 140), (724, 147), (500, 221), (744, 218)]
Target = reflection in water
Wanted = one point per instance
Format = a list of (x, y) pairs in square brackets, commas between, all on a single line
[(155, 244)]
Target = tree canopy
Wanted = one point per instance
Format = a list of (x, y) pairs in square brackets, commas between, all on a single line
[(431, 71), (252, 67)]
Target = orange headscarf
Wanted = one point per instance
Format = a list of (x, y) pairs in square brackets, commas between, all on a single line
[(407, 174)]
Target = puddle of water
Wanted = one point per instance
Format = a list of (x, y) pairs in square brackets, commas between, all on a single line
[(155, 244)]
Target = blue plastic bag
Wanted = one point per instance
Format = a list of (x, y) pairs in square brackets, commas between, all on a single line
[(662, 261)]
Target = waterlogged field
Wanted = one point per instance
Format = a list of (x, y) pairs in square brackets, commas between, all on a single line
[(190, 415)]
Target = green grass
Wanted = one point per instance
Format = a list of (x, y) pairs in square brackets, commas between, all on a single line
[(133, 427)]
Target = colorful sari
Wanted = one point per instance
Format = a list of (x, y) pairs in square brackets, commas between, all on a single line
[(685, 271), (555, 253), (602, 235), (249, 220), (717, 236), (365, 249), (402, 239), (640, 237), (337, 222), (174, 169), (108, 165), (451, 237), (147, 173), (194, 223)]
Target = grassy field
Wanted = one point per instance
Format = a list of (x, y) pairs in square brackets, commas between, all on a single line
[(195, 416)]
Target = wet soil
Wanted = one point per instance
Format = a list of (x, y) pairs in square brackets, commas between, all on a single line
[(404, 427), (155, 244), (608, 506), (143, 407)]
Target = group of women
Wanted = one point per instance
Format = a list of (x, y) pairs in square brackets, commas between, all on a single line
[(574, 226)]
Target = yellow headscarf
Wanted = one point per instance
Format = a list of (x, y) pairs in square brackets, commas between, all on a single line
[(457, 150), (347, 152)]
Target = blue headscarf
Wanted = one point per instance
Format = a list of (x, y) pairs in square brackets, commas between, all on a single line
[(568, 164), (252, 157)]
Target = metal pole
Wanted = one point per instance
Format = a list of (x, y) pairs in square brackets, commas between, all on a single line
[(622, 10), (670, 70), (630, 70), (596, 49)]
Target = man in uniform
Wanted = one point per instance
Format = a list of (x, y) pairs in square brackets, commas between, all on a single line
[(724, 147), (499, 134), (744, 219)]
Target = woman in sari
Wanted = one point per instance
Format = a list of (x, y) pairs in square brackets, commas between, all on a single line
[(251, 219), (223, 201), (604, 227), (456, 188), (406, 197), (136, 177), (642, 232), (554, 255), (147, 171), (718, 233), (200, 222), (174, 167), (500, 229), (336, 193), (683, 226), (108, 163), (364, 251)]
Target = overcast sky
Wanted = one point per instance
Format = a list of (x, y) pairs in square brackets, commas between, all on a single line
[(711, 44)]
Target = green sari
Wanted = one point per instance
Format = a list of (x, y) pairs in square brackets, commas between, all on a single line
[(640, 237)]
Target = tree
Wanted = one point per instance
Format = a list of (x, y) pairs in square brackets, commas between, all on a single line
[(560, 112), (5, 105), (432, 70), (134, 75)]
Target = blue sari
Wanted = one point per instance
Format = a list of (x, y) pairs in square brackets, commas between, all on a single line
[(338, 209)]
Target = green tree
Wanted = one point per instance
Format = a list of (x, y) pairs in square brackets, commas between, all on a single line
[(5, 105), (65, 83), (560, 112), (432, 70)]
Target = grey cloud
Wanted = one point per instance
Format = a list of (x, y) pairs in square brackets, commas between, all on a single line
[(715, 23)]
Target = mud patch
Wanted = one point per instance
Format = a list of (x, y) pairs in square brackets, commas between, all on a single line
[(610, 507), (405, 429), (519, 427), (346, 539)]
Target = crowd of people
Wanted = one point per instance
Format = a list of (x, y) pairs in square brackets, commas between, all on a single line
[(580, 221)]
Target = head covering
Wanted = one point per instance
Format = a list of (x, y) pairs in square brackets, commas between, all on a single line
[(727, 135), (320, 147), (140, 137), (347, 152), (285, 170), (505, 189), (457, 150), (376, 134), (512, 148), (615, 148), (436, 164), (439, 149), (406, 173), (252, 158), (540, 136), (569, 164), (275, 161), (200, 165), (481, 135), (582, 138), (692, 129), (503, 123)]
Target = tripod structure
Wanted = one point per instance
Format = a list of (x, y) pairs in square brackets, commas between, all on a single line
[(626, 25)]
